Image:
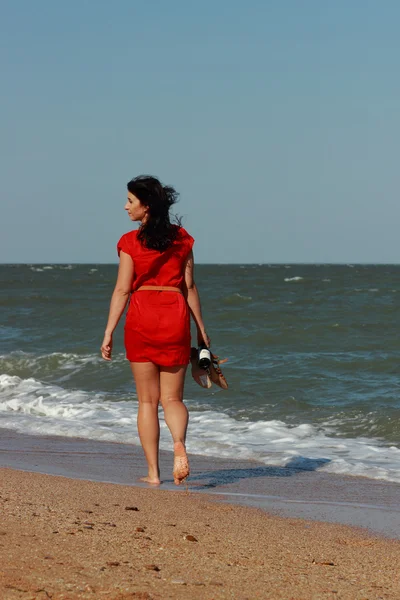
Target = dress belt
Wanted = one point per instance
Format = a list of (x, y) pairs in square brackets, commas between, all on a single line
[(161, 288)]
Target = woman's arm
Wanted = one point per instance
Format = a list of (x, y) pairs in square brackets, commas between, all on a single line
[(192, 297), (119, 300)]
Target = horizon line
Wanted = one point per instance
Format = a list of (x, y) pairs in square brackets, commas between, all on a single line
[(344, 263)]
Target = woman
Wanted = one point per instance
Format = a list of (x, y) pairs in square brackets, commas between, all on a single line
[(156, 271)]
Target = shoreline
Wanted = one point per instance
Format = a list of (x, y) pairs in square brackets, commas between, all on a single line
[(372, 505)]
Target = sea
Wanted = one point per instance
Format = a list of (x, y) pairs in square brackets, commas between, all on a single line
[(313, 363)]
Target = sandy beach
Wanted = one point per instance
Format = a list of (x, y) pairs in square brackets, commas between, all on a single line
[(62, 538)]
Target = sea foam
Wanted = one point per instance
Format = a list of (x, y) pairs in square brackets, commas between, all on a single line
[(30, 406)]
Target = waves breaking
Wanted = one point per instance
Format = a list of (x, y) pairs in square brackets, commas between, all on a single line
[(30, 406)]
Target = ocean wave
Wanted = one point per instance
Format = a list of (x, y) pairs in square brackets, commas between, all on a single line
[(57, 365), (293, 278), (41, 268), (59, 360), (29, 406), (9, 333), (237, 298)]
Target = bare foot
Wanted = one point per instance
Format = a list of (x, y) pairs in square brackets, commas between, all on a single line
[(181, 463), (152, 480)]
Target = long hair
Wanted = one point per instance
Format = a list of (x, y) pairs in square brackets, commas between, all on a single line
[(157, 233)]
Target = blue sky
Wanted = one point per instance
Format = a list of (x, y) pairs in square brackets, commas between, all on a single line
[(277, 121)]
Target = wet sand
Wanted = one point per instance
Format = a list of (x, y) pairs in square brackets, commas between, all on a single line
[(291, 492)]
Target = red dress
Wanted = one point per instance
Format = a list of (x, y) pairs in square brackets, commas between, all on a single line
[(157, 326)]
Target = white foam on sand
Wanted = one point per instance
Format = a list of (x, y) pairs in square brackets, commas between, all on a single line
[(29, 406)]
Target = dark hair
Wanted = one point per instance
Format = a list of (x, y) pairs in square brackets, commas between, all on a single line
[(157, 233)]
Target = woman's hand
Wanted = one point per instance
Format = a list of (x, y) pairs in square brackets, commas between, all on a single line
[(202, 338), (106, 347)]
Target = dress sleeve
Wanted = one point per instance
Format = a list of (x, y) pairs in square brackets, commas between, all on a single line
[(190, 242), (123, 245)]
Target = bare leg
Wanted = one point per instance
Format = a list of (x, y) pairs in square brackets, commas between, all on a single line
[(176, 415), (147, 379)]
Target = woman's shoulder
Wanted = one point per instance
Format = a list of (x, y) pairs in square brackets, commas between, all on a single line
[(131, 234), (184, 238), (127, 241), (182, 233)]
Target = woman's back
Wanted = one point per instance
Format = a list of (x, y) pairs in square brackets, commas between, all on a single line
[(152, 267), (157, 326)]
